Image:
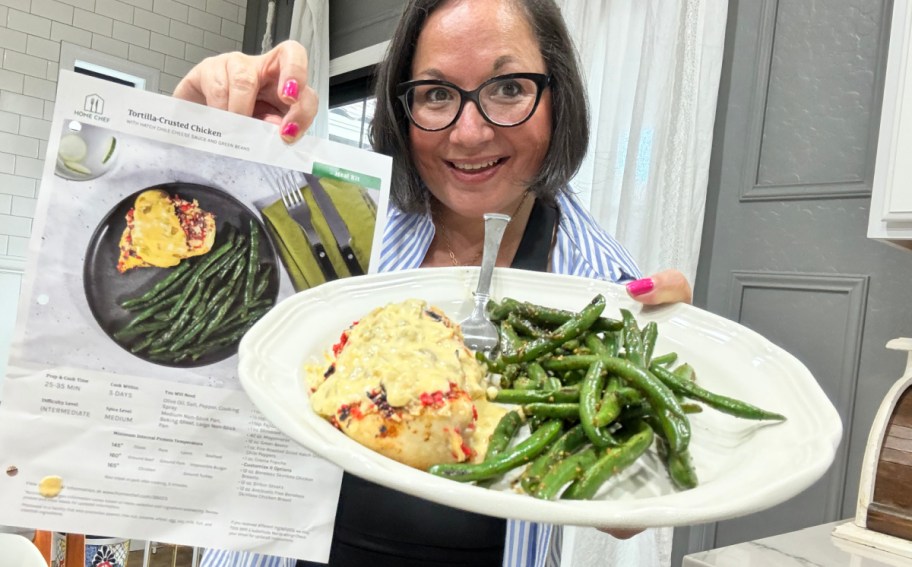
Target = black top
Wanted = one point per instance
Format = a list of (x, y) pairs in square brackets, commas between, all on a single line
[(379, 527)]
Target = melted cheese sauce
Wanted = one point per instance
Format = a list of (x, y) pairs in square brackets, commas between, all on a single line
[(407, 349)]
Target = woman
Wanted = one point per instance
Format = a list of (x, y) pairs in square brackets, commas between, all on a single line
[(482, 107)]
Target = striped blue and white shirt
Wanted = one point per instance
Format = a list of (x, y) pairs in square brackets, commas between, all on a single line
[(582, 248)]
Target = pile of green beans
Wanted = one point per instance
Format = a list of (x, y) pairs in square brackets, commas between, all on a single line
[(595, 398), (204, 305)]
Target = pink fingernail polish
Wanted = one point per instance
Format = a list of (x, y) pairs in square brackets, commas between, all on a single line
[(291, 89), (641, 286), (290, 130)]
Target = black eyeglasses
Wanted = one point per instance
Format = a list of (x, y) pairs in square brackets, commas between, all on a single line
[(505, 100)]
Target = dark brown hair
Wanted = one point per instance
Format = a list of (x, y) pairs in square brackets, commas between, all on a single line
[(389, 133)]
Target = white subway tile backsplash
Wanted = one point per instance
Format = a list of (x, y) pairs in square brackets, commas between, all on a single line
[(115, 9), (62, 32), (23, 207), (9, 122), (176, 66), (109, 45), (40, 88), (144, 4), (18, 185), (148, 20), (7, 165), (167, 45), (87, 5), (11, 81), (147, 57), (168, 35), (198, 4), (18, 246), (183, 32), (205, 20), (4, 245), (90, 21), (32, 167), (21, 5), (21, 104), (53, 10), (35, 128), (18, 145), (43, 48), (131, 34), (25, 64), (171, 9), (218, 43), (12, 39), (222, 8), (28, 23), (196, 54), (232, 30), (167, 83), (15, 226)]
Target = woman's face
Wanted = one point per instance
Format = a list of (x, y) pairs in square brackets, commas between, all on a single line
[(474, 167)]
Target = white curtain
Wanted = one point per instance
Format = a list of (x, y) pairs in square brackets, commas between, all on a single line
[(310, 27), (652, 70)]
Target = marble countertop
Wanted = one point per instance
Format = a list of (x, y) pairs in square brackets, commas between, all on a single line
[(810, 547)]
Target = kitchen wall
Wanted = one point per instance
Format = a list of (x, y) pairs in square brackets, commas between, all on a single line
[(167, 35)]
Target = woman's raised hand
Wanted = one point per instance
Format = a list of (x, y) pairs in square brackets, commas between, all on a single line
[(272, 87), (668, 286)]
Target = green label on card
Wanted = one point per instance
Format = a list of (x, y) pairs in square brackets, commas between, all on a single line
[(366, 181)]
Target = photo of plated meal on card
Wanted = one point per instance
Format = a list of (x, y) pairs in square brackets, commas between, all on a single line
[(593, 410), (177, 272)]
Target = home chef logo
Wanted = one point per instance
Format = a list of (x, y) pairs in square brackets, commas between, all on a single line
[(93, 108)]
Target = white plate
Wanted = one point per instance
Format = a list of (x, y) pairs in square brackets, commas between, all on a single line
[(16, 551), (743, 466)]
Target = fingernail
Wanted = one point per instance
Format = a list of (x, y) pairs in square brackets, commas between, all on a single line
[(641, 286), (290, 130), (291, 89)]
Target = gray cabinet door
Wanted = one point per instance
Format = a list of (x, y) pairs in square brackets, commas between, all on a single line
[(785, 250)]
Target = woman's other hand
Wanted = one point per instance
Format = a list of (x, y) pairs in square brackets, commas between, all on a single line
[(272, 87), (668, 286)]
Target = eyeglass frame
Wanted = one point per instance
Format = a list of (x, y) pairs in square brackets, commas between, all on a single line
[(541, 80)]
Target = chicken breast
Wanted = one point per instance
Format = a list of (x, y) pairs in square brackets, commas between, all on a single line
[(402, 382)]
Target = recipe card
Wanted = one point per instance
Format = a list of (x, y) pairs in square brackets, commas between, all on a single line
[(164, 230)]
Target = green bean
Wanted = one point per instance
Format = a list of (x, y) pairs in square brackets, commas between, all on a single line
[(609, 407), (569, 362), (565, 471), (649, 335), (520, 454), (633, 339), (158, 288), (570, 441), (509, 341), (525, 326), (573, 328), (590, 395), (611, 461), (665, 359), (503, 433), (196, 275), (559, 410), (510, 396), (253, 262), (681, 470), (672, 418), (546, 316), (724, 404), (140, 329)]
